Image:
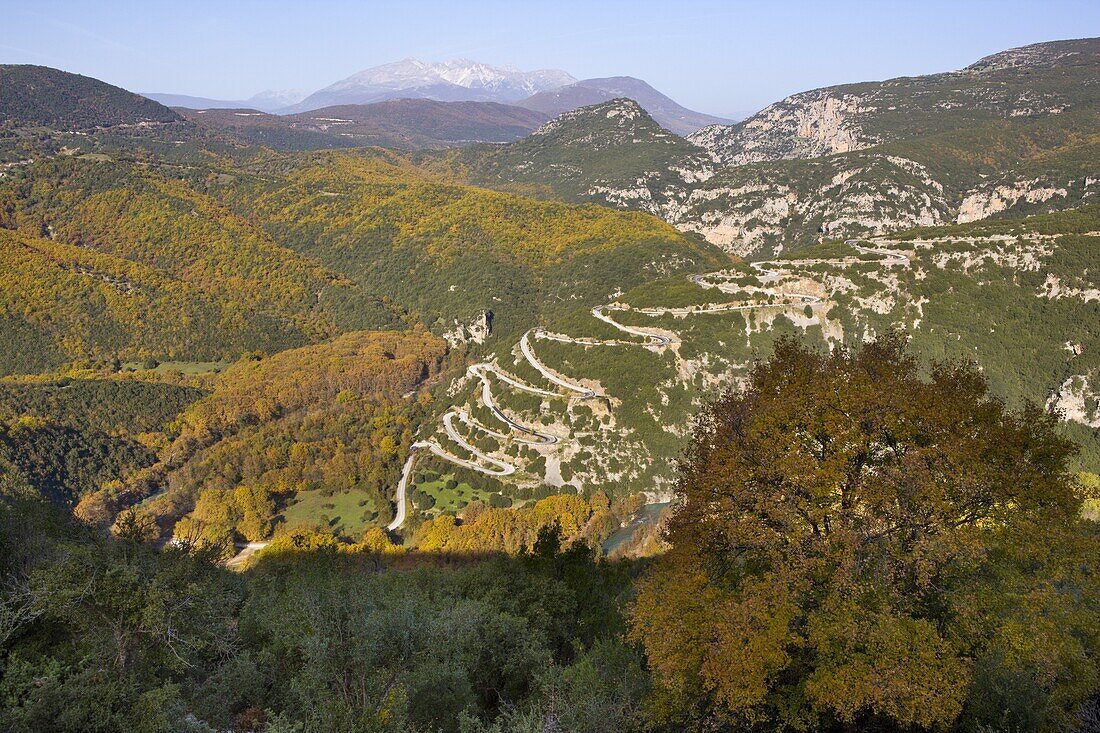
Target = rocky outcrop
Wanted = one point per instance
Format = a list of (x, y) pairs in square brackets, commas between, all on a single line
[(806, 125), (476, 331), (1077, 400), (1035, 55), (1033, 81), (750, 211), (983, 204)]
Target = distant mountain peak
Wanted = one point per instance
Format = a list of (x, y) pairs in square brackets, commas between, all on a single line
[(447, 81), (664, 110)]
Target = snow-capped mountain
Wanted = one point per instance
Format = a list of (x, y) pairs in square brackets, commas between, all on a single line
[(266, 101), (272, 99), (448, 81)]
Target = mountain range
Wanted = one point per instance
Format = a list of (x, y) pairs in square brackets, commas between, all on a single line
[(547, 91), (409, 124), (193, 236), (266, 101), (822, 387), (446, 81), (1009, 135)]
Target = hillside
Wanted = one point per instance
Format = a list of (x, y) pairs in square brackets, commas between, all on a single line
[(448, 253), (1002, 138), (38, 96), (585, 152), (665, 111), (999, 169), (61, 303), (300, 426), (605, 397), (204, 262), (1036, 81), (64, 439), (409, 124), (110, 216)]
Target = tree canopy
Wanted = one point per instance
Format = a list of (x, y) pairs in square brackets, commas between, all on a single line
[(861, 545)]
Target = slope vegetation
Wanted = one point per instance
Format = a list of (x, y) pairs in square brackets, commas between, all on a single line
[(410, 124), (38, 96), (1034, 81)]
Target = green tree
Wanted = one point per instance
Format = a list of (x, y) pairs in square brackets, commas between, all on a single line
[(257, 510), (857, 546)]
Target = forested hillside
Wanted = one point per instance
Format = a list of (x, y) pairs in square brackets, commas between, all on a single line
[(996, 139), (326, 635), (38, 96)]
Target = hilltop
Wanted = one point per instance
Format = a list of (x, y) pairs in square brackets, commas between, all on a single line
[(665, 111), (1032, 82), (44, 97)]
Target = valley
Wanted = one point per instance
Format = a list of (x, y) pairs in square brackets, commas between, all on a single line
[(577, 341), (452, 397)]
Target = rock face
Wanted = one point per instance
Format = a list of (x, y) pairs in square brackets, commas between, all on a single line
[(476, 331), (1078, 401), (807, 125), (1033, 81)]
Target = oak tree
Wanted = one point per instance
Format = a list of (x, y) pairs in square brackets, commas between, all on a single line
[(859, 546)]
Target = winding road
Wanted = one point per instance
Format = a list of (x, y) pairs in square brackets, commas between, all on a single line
[(655, 339)]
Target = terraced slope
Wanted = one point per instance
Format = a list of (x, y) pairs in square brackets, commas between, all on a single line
[(604, 400)]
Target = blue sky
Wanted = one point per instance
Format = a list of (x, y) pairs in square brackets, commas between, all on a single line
[(718, 57)]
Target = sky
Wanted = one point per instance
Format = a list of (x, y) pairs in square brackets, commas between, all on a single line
[(727, 58)]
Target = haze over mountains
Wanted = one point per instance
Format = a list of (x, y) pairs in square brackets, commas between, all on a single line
[(547, 91), (270, 100)]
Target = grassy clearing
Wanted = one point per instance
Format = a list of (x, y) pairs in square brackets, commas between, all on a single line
[(451, 498), (346, 513)]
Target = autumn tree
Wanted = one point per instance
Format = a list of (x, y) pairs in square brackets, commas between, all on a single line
[(859, 547)]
